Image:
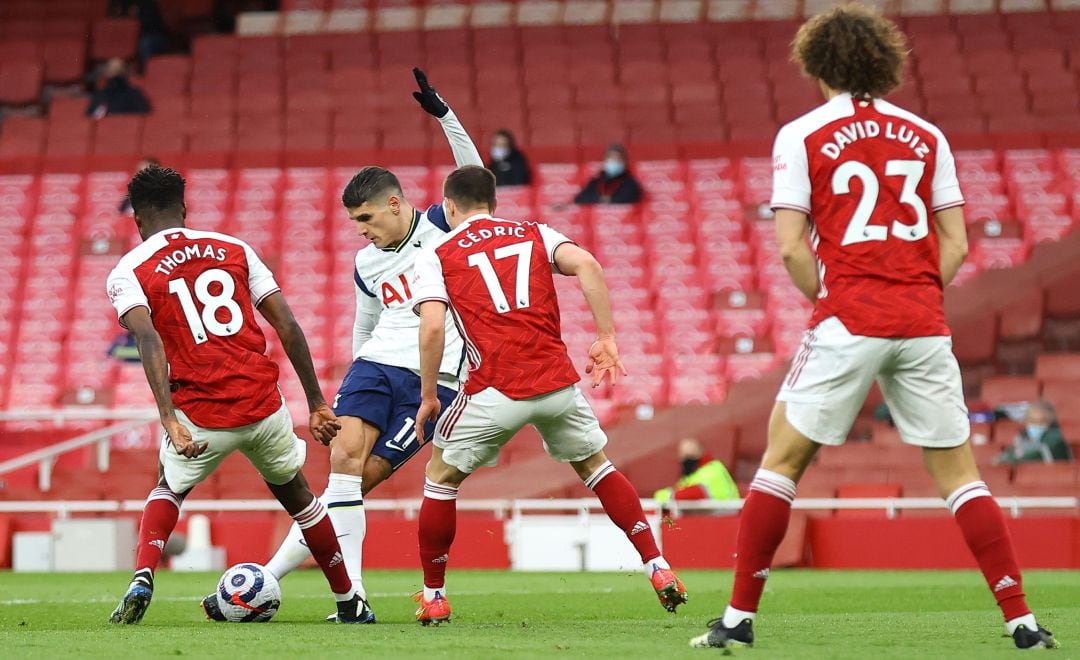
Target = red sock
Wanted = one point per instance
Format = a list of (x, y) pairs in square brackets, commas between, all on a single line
[(322, 540), (623, 506), (438, 524), (158, 520), (762, 525), (983, 526)]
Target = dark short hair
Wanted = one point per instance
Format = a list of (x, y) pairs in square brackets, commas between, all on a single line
[(156, 188), (368, 184), (852, 48), (471, 187), (505, 132)]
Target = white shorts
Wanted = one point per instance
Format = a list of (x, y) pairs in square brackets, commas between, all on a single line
[(269, 444), (831, 376), (475, 427)]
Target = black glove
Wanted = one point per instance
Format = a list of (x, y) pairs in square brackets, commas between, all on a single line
[(427, 97)]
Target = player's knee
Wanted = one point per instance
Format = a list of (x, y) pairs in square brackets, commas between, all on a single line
[(587, 467), (441, 472), (342, 461), (376, 470)]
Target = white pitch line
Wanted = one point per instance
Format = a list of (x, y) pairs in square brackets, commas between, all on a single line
[(386, 594)]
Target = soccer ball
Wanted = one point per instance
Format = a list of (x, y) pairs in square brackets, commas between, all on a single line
[(248, 592)]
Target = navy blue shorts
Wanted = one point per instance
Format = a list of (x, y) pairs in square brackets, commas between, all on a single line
[(387, 398)]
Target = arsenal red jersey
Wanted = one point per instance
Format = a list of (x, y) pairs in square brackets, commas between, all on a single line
[(870, 175), (201, 289), (496, 277)]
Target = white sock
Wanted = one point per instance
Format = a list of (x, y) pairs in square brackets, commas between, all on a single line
[(1028, 621), (291, 553), (650, 566), (341, 598), (344, 500), (431, 592), (733, 617)]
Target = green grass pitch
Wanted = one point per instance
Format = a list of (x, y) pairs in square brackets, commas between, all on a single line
[(806, 614)]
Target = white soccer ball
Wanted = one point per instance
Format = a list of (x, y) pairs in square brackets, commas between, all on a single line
[(248, 592)]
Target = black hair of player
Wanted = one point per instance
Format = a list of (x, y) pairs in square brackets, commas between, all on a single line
[(155, 189), (471, 187), (852, 48), (368, 184)]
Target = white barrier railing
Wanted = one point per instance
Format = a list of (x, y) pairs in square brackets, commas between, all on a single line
[(46, 457), (513, 508), (66, 414)]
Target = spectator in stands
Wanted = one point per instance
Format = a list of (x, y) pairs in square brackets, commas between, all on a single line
[(123, 348), (1039, 441), (116, 95), (153, 35), (510, 166), (614, 184), (704, 477), (125, 204)]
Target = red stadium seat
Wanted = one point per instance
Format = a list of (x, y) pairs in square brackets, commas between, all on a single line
[(20, 83), (1058, 367), (64, 58), (117, 141), (114, 37), (1022, 320), (998, 390)]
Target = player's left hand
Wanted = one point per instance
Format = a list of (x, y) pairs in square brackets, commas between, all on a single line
[(323, 424), (428, 412), (427, 97), (604, 361)]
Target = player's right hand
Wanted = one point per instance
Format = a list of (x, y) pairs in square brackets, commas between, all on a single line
[(428, 412), (604, 362), (323, 424), (427, 97), (181, 440)]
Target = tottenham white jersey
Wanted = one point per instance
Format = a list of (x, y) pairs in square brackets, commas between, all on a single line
[(386, 330)]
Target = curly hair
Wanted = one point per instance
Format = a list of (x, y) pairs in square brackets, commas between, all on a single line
[(156, 188), (852, 48)]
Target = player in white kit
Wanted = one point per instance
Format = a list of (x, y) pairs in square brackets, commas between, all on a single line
[(378, 398)]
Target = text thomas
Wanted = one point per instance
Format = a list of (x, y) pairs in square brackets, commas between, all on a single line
[(194, 251)]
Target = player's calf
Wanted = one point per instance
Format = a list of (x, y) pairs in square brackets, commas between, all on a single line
[(623, 506), (158, 520)]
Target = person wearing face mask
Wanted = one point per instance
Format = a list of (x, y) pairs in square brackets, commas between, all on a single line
[(510, 166), (1039, 441), (703, 477), (614, 184), (116, 95)]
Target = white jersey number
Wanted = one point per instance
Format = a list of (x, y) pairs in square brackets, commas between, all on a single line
[(208, 322), (523, 252), (860, 230)]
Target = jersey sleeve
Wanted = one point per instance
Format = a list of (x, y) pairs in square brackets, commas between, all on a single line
[(436, 215), (461, 144), (791, 172), (125, 292), (260, 280), (552, 240), (945, 191), (428, 282)]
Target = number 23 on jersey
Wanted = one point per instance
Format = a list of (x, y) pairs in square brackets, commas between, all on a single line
[(859, 229)]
